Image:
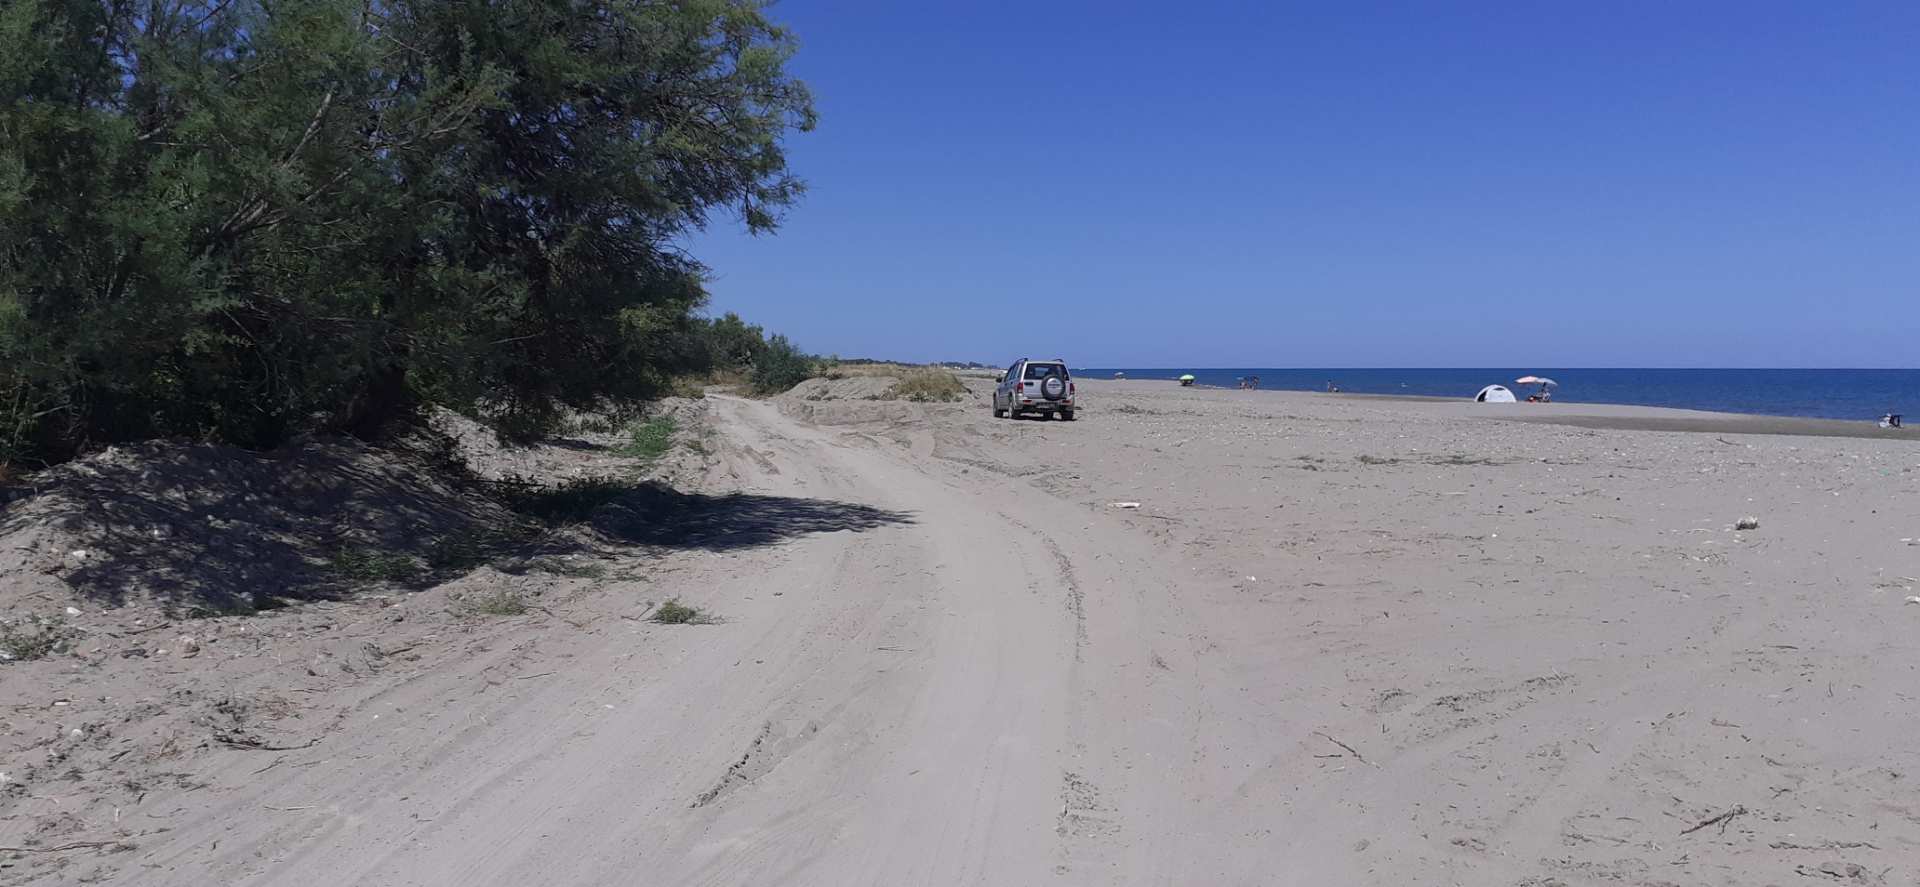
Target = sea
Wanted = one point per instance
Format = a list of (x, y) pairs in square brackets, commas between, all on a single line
[(1864, 395)]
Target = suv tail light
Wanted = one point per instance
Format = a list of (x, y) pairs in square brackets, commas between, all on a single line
[(1069, 389), (1019, 387)]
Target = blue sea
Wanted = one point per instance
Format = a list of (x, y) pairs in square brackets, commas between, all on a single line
[(1823, 394)]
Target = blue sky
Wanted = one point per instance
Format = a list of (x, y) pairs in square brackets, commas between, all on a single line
[(1349, 184)]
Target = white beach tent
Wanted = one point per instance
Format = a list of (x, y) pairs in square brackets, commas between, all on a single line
[(1494, 394)]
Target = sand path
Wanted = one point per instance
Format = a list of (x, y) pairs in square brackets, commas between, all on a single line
[(911, 704)]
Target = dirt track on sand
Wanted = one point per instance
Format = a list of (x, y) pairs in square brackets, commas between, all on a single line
[(1337, 643)]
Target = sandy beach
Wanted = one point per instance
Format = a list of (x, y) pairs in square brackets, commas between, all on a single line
[(1338, 640), (1627, 417)]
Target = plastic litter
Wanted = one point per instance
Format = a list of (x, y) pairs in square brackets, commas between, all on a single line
[(1124, 504), (1747, 523)]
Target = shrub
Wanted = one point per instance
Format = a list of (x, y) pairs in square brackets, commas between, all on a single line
[(675, 613), (239, 221), (780, 366)]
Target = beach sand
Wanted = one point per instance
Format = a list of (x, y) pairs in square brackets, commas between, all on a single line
[(1625, 417), (1333, 641), (1536, 622)]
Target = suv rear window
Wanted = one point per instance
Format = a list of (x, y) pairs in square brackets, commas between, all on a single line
[(1043, 370)]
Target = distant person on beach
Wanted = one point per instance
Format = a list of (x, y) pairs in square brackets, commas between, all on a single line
[(1332, 388)]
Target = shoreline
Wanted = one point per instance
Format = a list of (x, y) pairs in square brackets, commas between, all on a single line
[(1597, 416)]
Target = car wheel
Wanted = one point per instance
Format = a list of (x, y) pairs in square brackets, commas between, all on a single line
[(997, 411), (1067, 415)]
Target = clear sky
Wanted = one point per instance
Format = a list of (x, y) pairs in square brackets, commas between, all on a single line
[(1349, 184)]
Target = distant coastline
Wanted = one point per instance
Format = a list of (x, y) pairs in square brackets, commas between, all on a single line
[(1844, 395)]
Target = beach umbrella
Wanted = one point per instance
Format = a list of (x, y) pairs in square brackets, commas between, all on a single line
[(1535, 380), (1188, 377)]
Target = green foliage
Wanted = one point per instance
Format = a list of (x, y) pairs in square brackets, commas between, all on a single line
[(780, 367), (239, 220), (732, 343), (649, 440), (675, 613)]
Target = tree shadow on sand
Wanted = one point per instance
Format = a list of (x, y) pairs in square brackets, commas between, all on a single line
[(210, 530), (201, 528), (662, 517)]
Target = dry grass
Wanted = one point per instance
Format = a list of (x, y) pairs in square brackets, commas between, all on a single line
[(503, 602), (33, 638), (927, 386), (868, 370), (688, 387), (918, 384)]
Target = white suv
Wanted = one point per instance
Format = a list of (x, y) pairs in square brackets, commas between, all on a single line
[(1035, 386)]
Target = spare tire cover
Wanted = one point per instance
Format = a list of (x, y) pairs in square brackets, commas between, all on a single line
[(1053, 388)]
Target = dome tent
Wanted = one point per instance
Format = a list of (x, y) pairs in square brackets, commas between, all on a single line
[(1494, 394)]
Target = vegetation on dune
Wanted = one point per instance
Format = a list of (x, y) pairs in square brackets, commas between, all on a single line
[(838, 369), (500, 602), (239, 221), (675, 613), (781, 366), (361, 564), (649, 440), (927, 386)]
